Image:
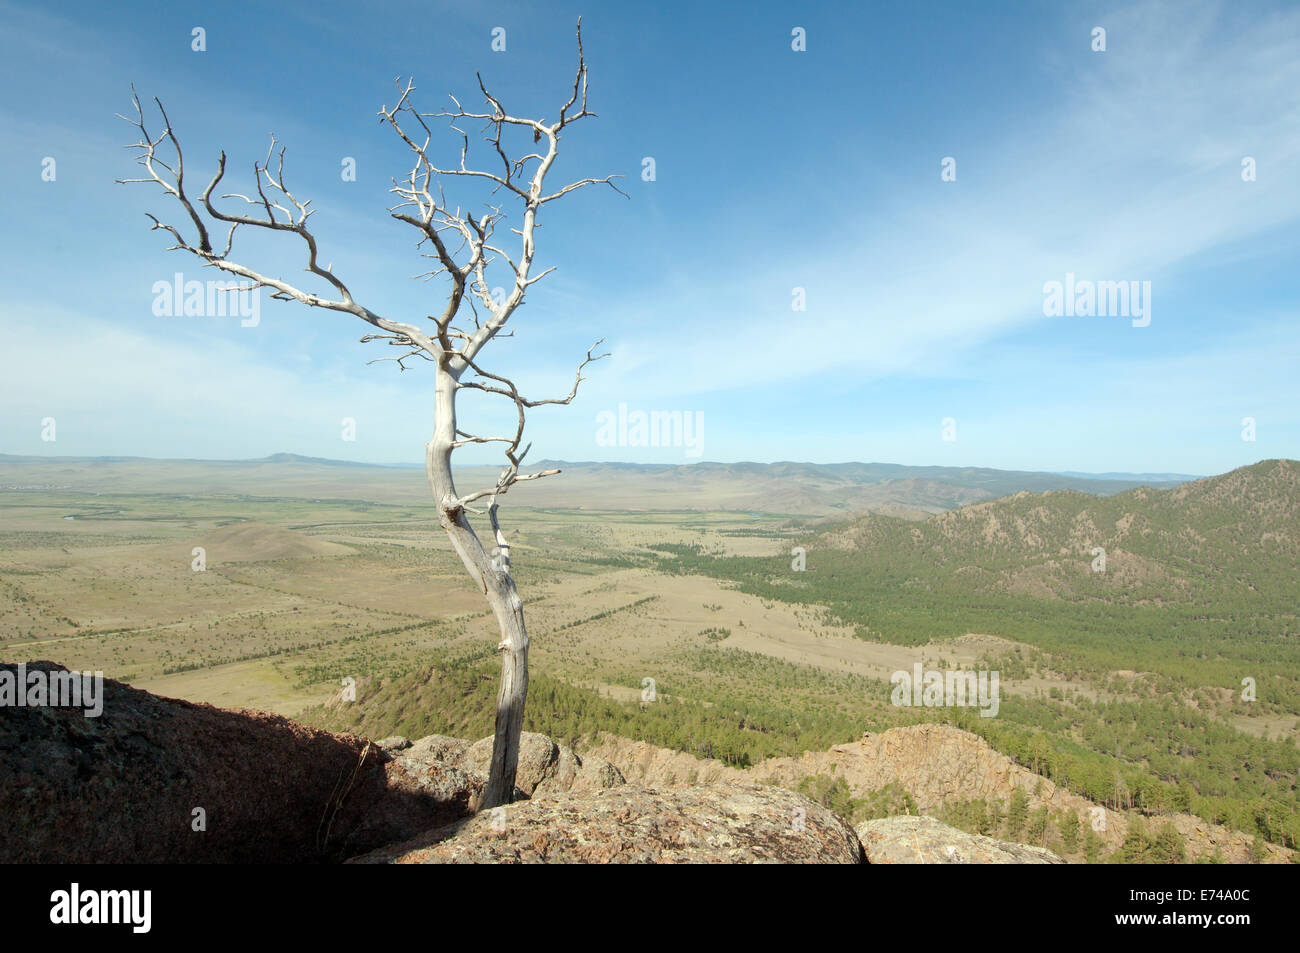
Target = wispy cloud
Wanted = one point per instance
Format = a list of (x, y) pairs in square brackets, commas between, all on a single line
[(1133, 174)]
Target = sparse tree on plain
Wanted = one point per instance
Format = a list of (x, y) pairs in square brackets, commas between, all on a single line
[(463, 246)]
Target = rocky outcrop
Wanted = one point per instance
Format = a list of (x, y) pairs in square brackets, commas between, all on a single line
[(544, 767), (924, 840), (723, 823), (547, 768), (158, 780), (936, 765), (155, 780), (933, 763)]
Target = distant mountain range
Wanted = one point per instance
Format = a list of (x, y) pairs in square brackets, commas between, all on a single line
[(803, 489), (1231, 541), (1145, 477)]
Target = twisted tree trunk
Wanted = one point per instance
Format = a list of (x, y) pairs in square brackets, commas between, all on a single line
[(498, 586)]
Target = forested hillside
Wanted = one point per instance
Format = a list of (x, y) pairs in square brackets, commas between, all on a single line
[(1188, 631)]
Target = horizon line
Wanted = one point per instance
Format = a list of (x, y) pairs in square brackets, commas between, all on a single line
[(288, 456)]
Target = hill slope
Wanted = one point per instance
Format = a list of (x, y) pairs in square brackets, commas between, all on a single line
[(1225, 539), (1178, 661)]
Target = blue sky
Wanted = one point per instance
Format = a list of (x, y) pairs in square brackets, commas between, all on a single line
[(775, 170)]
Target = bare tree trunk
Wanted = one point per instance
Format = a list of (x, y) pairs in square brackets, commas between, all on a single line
[(510, 704), (494, 579)]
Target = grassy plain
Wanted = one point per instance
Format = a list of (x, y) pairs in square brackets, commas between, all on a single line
[(296, 594)]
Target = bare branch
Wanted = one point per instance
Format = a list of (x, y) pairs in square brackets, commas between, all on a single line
[(267, 186)]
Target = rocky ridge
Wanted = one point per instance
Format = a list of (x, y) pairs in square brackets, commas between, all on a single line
[(936, 765), (629, 824), (924, 840)]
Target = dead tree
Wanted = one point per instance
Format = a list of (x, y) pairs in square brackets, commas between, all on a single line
[(464, 247)]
